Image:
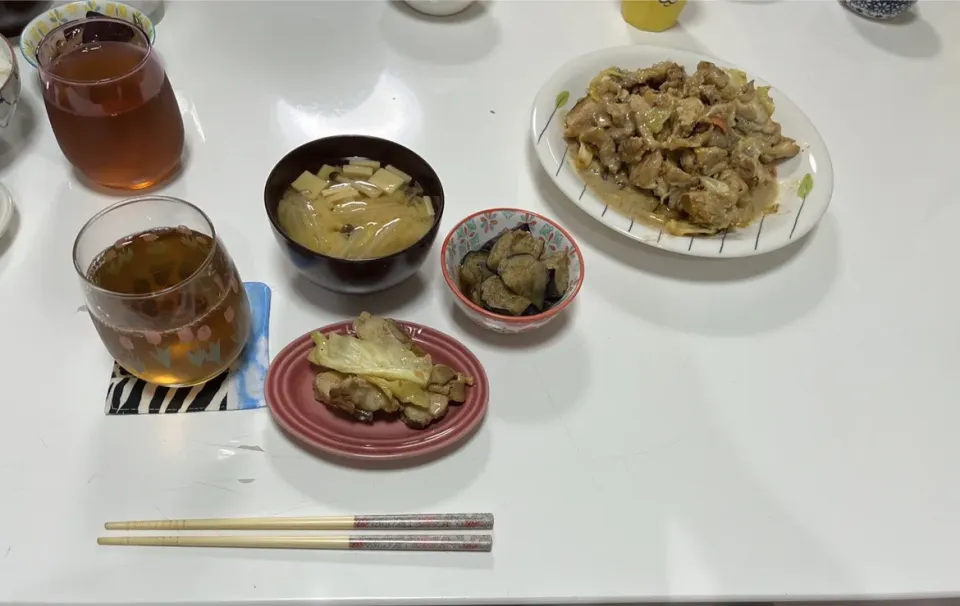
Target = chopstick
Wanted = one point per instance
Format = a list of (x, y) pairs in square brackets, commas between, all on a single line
[(426, 542), (394, 542), (413, 521)]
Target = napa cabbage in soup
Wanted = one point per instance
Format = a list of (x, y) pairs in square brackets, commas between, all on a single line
[(359, 210)]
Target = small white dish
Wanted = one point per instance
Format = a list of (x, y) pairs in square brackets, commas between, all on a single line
[(795, 216), (6, 209), (61, 14), (9, 82), (439, 8)]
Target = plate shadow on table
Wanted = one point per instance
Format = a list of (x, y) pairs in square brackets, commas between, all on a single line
[(692, 14), (342, 306), (19, 133), (414, 485), (675, 509), (159, 13), (458, 39), (556, 329), (7, 238), (702, 497), (297, 106), (332, 484), (558, 343), (675, 37), (907, 35), (427, 560), (791, 281)]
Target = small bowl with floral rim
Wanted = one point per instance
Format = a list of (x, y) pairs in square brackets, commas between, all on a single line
[(474, 231), (880, 10), (51, 19)]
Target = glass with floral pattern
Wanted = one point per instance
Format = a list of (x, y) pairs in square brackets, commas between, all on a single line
[(162, 290)]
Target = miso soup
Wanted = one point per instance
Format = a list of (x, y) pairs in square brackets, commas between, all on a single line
[(357, 210)]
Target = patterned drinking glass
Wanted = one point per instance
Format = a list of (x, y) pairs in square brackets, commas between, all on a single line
[(110, 103), (162, 290)]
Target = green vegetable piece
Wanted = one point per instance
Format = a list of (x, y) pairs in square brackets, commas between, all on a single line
[(656, 118), (562, 98), (806, 184)]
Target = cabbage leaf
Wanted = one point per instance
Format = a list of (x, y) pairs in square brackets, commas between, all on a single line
[(350, 355), (738, 78), (763, 95), (405, 392), (656, 118)]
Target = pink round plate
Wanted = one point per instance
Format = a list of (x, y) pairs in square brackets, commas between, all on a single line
[(289, 394)]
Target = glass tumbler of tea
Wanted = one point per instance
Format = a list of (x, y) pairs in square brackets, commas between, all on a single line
[(110, 103), (162, 290)]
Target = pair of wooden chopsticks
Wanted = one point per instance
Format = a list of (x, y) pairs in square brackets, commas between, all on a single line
[(390, 542)]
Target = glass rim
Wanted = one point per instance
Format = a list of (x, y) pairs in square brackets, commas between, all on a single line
[(13, 56), (47, 73), (82, 272)]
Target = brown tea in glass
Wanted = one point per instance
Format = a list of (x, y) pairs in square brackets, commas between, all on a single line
[(110, 103), (162, 291)]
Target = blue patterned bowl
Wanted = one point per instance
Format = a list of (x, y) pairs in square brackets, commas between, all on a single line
[(476, 230), (53, 18), (878, 9)]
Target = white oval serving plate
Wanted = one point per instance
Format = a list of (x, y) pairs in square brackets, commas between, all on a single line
[(794, 218), (6, 209)]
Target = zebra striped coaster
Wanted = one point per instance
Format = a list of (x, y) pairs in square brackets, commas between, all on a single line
[(239, 388)]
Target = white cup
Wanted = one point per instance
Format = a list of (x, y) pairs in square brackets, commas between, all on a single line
[(439, 8)]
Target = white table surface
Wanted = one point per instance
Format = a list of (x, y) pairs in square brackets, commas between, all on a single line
[(781, 426)]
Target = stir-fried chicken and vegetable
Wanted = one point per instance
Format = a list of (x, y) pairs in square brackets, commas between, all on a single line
[(379, 368), (694, 154)]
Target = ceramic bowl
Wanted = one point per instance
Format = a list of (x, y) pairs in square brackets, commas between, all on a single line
[(878, 9), (10, 77), (473, 232), (53, 18), (6, 209), (353, 276), (439, 8)]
